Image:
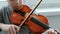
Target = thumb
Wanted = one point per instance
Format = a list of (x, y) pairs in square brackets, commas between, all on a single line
[(17, 28)]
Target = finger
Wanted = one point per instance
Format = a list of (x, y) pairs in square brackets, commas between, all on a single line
[(11, 31), (8, 32), (17, 28), (14, 30), (54, 32), (49, 32)]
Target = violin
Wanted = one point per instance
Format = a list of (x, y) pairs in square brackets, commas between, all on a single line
[(36, 23), (16, 18)]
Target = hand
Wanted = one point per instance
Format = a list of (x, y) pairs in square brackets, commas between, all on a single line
[(9, 28), (51, 31)]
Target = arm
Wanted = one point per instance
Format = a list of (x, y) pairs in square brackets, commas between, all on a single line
[(9, 28)]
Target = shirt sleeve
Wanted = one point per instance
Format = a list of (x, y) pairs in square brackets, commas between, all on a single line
[(3, 15), (1, 18)]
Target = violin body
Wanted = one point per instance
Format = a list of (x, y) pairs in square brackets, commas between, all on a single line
[(17, 18)]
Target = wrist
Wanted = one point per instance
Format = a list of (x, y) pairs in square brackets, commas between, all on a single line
[(1, 26)]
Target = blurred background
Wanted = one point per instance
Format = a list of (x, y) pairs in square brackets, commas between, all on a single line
[(48, 8)]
